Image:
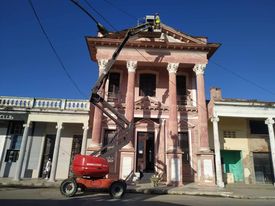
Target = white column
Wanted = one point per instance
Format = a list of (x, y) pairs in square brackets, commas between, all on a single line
[(19, 163), (84, 139), (56, 151), (219, 179), (270, 123)]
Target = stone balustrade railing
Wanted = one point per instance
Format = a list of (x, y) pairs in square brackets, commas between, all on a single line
[(44, 103)]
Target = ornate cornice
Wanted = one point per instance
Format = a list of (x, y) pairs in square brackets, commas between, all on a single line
[(199, 69), (172, 67), (131, 66)]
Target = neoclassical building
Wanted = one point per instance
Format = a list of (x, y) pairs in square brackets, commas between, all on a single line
[(157, 82)]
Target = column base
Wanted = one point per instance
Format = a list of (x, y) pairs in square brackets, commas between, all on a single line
[(127, 160), (206, 171), (174, 168)]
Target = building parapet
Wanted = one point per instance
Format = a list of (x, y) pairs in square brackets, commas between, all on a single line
[(44, 103)]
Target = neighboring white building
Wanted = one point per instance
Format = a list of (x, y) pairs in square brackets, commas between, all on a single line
[(41, 128)]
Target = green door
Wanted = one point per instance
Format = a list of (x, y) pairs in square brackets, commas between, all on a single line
[(232, 163)]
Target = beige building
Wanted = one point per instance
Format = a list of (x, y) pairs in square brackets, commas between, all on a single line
[(242, 134)]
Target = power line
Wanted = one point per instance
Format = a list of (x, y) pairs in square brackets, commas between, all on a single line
[(243, 78), (55, 51), (121, 10), (106, 20)]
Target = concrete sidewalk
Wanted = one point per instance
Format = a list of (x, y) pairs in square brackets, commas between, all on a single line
[(241, 191)]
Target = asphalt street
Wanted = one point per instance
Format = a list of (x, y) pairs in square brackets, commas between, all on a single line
[(52, 197)]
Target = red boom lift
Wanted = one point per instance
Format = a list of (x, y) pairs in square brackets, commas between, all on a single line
[(89, 171)]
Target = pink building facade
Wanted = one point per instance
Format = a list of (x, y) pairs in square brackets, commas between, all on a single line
[(159, 84)]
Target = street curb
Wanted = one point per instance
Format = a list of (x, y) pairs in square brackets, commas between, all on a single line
[(206, 194), (156, 191)]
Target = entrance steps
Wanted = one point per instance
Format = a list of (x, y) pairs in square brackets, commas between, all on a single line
[(146, 177)]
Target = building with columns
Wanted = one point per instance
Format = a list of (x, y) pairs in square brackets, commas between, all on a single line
[(242, 136), (32, 130), (158, 83)]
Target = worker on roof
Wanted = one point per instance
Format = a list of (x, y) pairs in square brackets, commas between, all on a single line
[(157, 21)]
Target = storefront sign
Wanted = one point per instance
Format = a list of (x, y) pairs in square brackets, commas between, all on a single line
[(6, 116)]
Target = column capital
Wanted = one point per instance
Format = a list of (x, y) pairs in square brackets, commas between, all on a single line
[(199, 69), (215, 119), (102, 63), (269, 121), (131, 66), (162, 121), (28, 124), (85, 127), (172, 67), (59, 125)]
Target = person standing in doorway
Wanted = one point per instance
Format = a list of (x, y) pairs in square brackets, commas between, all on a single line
[(48, 168)]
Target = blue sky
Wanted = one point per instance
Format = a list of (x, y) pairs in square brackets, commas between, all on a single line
[(243, 67)]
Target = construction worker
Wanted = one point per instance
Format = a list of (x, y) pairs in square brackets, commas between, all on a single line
[(157, 21)]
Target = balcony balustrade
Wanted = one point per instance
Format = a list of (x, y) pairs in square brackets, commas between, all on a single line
[(44, 103)]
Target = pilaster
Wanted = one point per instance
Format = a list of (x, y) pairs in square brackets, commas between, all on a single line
[(84, 139), (59, 127), (19, 164), (202, 111), (219, 178), (127, 155), (173, 153)]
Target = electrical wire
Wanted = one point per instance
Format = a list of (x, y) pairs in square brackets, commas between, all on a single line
[(121, 10), (55, 51), (95, 10)]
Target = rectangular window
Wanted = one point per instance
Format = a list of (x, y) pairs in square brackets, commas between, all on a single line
[(184, 145), (181, 85), (11, 155), (258, 127), (181, 89), (15, 132), (229, 134), (114, 83), (147, 85)]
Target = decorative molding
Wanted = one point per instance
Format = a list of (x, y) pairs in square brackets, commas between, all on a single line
[(172, 67), (269, 121), (131, 65), (102, 63), (199, 69)]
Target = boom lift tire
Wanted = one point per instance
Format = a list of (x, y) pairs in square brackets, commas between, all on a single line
[(68, 187), (117, 189)]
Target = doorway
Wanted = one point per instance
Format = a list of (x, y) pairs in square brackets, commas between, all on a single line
[(145, 151), (47, 152), (232, 163), (263, 167)]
